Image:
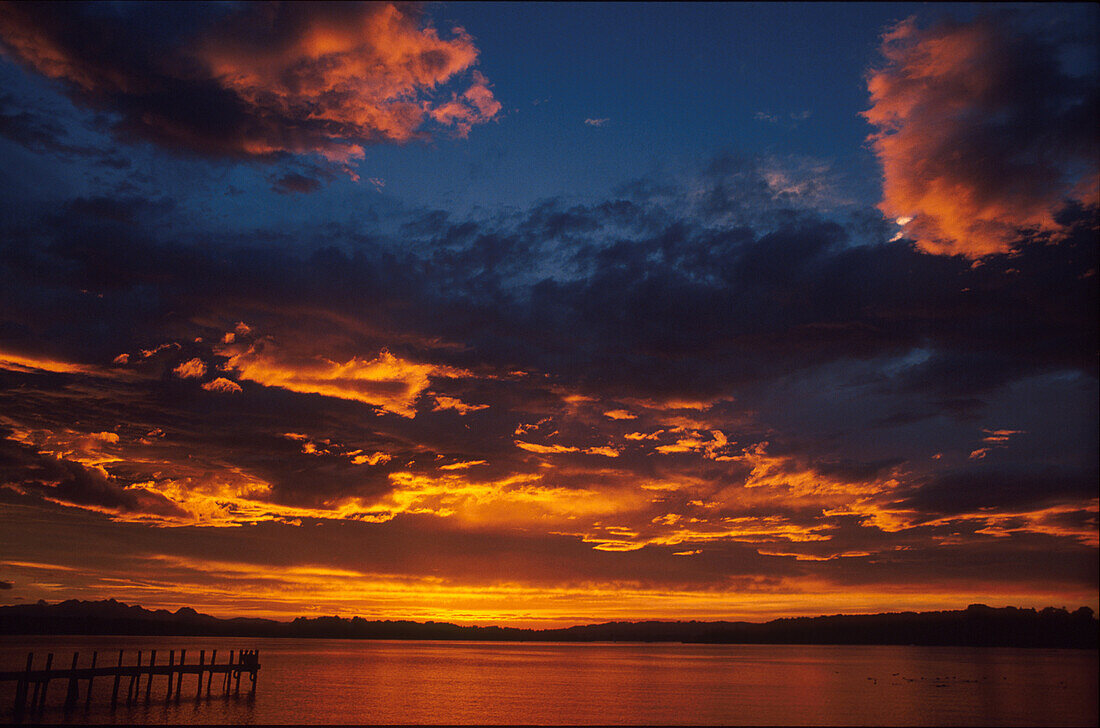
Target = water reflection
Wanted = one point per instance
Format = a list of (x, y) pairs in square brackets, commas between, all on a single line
[(338, 681)]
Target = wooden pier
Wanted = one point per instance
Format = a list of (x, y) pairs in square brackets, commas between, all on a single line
[(33, 683)]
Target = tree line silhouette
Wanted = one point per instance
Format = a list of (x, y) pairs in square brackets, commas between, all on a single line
[(977, 625)]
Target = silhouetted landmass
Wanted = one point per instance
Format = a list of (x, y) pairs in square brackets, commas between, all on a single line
[(977, 625)]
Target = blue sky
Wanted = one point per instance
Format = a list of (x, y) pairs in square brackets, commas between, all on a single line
[(677, 84)]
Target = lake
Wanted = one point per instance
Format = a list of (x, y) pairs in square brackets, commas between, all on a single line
[(352, 681)]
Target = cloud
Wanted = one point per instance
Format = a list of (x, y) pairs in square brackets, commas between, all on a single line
[(223, 385), (258, 80), (717, 313), (545, 449), (64, 481), (191, 369), (5, 585), (596, 122), (462, 465), (295, 183), (35, 131), (375, 458), (791, 120), (443, 402), (981, 134), (386, 381), (476, 105), (18, 362)]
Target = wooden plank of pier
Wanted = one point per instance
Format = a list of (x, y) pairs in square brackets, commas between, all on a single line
[(244, 661)]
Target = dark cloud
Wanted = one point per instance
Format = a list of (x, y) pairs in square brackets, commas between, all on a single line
[(982, 132), (291, 183), (993, 490), (255, 81), (65, 481), (28, 129), (679, 310), (511, 338)]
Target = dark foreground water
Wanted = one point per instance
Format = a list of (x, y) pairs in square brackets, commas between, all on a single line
[(351, 681)]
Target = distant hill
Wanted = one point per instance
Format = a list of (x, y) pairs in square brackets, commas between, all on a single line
[(977, 625)]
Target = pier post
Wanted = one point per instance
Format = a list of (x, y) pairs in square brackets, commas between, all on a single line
[(202, 663), (149, 682), (34, 696), (88, 697), (132, 693), (118, 678), (210, 675), (179, 678), (22, 686), (71, 693), (240, 661), (45, 681), (171, 664), (228, 674)]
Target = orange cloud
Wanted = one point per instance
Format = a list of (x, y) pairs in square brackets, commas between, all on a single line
[(191, 369), (957, 108), (270, 78), (221, 586), (328, 447), (694, 441), (608, 452), (386, 381), (361, 73), (223, 385), (375, 458), (545, 449), (1000, 436), (443, 402), (27, 363), (463, 465)]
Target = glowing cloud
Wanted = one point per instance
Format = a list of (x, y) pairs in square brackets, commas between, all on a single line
[(462, 465), (386, 381), (957, 108), (27, 363), (442, 402), (375, 458), (271, 78), (223, 385), (350, 74), (191, 369)]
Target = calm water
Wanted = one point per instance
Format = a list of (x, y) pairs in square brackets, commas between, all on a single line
[(348, 681)]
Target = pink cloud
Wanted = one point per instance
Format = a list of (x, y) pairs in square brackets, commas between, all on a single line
[(980, 136), (351, 73)]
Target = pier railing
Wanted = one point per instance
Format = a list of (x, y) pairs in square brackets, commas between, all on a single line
[(33, 683)]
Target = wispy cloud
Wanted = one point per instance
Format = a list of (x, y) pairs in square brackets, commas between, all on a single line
[(790, 120)]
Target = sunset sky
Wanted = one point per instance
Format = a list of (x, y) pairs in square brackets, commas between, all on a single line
[(548, 314)]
